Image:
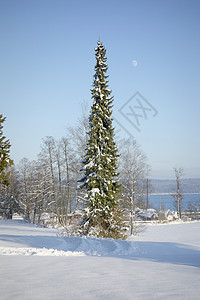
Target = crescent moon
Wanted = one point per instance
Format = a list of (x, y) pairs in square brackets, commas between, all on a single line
[(135, 63)]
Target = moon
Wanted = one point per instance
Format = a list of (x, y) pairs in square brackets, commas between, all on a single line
[(135, 63)]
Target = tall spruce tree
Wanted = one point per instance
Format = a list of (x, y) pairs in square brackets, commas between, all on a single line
[(100, 164), (5, 161)]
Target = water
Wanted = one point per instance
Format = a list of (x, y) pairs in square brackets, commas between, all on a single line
[(166, 201)]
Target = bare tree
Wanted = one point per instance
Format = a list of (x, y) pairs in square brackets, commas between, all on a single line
[(26, 191), (41, 189), (79, 133), (178, 195), (49, 155), (66, 167), (133, 170), (63, 165), (60, 194), (69, 167), (78, 136)]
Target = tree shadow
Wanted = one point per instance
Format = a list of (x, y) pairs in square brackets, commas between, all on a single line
[(48, 242), (166, 252)]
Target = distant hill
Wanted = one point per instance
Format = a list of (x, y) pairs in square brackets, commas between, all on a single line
[(190, 185)]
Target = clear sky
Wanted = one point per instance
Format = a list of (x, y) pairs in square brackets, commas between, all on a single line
[(153, 49)]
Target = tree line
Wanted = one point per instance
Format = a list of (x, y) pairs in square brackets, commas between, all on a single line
[(49, 185)]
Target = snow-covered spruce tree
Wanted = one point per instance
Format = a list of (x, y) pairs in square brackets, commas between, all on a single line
[(103, 215), (5, 161)]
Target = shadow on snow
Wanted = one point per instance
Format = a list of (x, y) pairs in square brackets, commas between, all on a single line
[(164, 252)]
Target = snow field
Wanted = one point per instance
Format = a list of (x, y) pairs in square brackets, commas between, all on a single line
[(163, 262), (86, 278)]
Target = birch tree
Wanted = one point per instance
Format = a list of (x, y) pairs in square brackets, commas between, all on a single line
[(177, 194), (133, 170)]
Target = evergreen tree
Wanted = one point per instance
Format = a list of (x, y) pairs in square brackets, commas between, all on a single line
[(10, 195), (100, 164), (5, 161)]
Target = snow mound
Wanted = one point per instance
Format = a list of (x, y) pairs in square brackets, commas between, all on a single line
[(78, 246), (18, 237), (99, 246), (37, 252)]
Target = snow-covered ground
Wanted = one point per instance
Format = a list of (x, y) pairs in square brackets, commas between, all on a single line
[(163, 262)]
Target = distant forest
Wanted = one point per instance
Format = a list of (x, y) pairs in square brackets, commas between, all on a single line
[(191, 185)]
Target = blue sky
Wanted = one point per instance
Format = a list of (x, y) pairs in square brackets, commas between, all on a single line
[(47, 63)]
